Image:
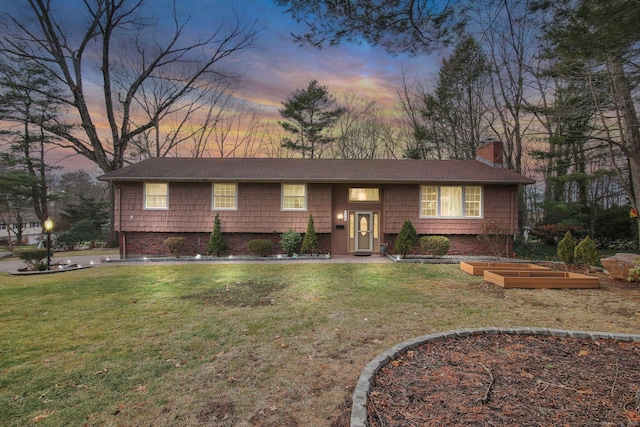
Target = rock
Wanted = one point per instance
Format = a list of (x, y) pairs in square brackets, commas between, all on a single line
[(618, 265)]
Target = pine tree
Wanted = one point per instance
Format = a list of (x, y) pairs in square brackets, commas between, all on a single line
[(406, 238), (309, 114), (216, 245), (310, 240)]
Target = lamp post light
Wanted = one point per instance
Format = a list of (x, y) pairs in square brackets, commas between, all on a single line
[(48, 226)]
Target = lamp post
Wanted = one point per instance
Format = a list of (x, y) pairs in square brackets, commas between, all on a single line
[(48, 226)]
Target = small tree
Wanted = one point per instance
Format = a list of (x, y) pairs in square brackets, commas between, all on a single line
[(566, 248), (290, 241), (586, 253), (406, 239), (175, 245), (216, 245), (310, 240)]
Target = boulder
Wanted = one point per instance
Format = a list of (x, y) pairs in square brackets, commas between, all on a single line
[(618, 266)]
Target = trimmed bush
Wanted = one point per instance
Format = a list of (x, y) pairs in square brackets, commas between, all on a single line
[(310, 240), (260, 247), (586, 253), (216, 245), (290, 241), (34, 258), (175, 245), (566, 248), (406, 239), (437, 246)]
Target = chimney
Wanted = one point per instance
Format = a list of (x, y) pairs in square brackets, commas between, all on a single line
[(490, 152)]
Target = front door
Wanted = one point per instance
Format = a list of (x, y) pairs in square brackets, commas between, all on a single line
[(364, 228)]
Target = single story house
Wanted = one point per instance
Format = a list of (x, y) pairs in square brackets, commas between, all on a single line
[(356, 205)]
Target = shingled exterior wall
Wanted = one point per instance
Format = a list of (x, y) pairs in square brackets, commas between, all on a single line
[(259, 215)]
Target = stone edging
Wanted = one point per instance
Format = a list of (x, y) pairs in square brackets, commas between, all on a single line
[(361, 393)]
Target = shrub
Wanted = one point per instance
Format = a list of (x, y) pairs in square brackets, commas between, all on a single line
[(260, 247), (34, 258), (495, 237), (436, 246), (175, 245), (566, 248), (290, 241), (310, 240), (586, 253), (68, 240), (550, 234), (634, 272), (406, 239), (216, 245)]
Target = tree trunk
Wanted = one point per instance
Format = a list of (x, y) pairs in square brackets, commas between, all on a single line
[(630, 131)]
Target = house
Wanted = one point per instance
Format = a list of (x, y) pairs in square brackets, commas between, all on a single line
[(32, 231), (357, 205)]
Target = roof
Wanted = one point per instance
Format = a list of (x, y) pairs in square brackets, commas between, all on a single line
[(172, 169)]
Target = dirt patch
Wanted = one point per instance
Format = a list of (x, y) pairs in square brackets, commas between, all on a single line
[(218, 414), (240, 294), (510, 380)]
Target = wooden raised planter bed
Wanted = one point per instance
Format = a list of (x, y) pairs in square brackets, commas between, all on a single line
[(540, 279), (478, 268)]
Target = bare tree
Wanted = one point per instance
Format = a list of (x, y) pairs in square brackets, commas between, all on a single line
[(362, 131), (416, 133), (238, 131), (175, 66), (120, 47)]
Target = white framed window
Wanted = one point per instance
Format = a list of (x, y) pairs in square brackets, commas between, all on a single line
[(429, 201), (156, 195), (294, 197), (473, 202), (364, 194), (225, 197), (449, 201)]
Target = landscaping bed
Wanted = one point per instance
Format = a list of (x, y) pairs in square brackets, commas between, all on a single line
[(510, 380)]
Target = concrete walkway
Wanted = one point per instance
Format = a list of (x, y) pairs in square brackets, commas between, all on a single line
[(12, 265)]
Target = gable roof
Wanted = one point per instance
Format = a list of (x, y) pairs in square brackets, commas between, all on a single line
[(172, 169)]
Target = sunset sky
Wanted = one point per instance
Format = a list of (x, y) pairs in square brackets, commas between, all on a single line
[(275, 66)]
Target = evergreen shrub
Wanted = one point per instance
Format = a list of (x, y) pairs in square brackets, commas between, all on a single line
[(260, 247), (436, 246), (175, 245), (566, 248), (290, 241)]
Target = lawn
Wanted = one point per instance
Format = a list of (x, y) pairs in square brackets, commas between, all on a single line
[(243, 344)]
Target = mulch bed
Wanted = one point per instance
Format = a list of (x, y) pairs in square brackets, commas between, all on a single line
[(510, 380)]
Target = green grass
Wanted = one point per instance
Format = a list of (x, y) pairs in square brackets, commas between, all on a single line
[(259, 344)]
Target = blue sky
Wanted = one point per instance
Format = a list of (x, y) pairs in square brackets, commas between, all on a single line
[(275, 65)]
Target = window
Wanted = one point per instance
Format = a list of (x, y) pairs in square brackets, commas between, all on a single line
[(364, 194), (294, 197), (225, 196), (451, 201), (429, 201), (156, 196), (472, 201)]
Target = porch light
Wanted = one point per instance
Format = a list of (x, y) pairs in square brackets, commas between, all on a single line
[(340, 216)]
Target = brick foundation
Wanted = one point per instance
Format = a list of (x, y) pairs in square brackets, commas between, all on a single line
[(139, 244)]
